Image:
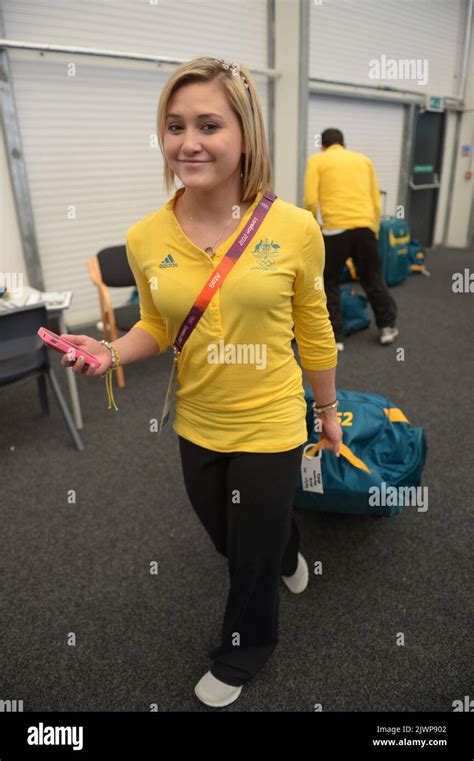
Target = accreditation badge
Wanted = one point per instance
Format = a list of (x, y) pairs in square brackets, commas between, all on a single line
[(170, 394)]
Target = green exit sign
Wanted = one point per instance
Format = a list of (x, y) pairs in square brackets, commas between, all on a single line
[(434, 103)]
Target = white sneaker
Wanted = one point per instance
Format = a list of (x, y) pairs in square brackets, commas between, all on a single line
[(215, 693), (388, 335), (299, 581), (339, 346)]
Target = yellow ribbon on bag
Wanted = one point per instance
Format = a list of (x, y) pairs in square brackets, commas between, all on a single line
[(343, 449), (109, 388)]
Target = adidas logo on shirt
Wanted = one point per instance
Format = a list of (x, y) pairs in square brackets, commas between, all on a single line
[(168, 261)]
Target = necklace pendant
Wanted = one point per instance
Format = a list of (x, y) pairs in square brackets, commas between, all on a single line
[(209, 250)]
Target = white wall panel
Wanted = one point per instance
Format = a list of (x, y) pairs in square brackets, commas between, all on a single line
[(346, 34), (86, 138)]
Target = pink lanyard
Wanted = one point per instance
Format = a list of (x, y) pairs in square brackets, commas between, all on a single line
[(220, 273)]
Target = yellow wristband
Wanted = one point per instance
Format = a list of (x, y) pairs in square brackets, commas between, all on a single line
[(108, 375), (108, 386)]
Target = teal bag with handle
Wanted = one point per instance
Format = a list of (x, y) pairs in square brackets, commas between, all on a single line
[(355, 314), (380, 465), (394, 236)]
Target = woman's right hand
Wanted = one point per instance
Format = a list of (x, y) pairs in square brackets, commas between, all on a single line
[(85, 343), (332, 431)]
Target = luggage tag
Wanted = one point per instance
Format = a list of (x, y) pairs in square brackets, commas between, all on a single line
[(311, 476), (170, 393)]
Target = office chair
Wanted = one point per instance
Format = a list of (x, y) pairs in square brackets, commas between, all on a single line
[(24, 356), (110, 269)]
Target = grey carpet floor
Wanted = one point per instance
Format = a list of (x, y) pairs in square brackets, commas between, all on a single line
[(86, 627)]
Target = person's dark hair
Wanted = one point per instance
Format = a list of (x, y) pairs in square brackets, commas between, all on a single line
[(332, 137)]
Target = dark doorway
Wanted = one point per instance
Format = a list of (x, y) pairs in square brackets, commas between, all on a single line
[(424, 176)]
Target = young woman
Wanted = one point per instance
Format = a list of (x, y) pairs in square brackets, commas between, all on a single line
[(240, 409)]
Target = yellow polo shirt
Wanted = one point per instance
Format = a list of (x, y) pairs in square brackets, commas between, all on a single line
[(345, 186), (239, 385)]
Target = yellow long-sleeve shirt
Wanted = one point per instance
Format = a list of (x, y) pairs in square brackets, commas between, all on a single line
[(239, 385), (345, 186)]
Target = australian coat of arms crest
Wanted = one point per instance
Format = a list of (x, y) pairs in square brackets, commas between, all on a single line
[(265, 252)]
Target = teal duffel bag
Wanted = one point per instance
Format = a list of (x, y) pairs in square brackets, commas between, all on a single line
[(416, 258), (379, 468), (355, 314)]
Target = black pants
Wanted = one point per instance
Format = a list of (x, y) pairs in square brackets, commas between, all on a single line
[(245, 502), (361, 245)]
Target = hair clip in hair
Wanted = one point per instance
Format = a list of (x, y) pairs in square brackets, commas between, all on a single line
[(235, 69)]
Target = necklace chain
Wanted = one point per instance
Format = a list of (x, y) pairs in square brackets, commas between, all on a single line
[(210, 249)]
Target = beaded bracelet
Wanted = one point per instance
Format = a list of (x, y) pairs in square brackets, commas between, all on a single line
[(325, 407)]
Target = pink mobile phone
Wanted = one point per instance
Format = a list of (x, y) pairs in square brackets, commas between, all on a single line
[(62, 344)]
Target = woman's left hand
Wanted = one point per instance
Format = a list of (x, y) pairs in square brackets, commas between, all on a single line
[(332, 431)]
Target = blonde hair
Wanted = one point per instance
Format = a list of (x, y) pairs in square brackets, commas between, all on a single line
[(255, 165)]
